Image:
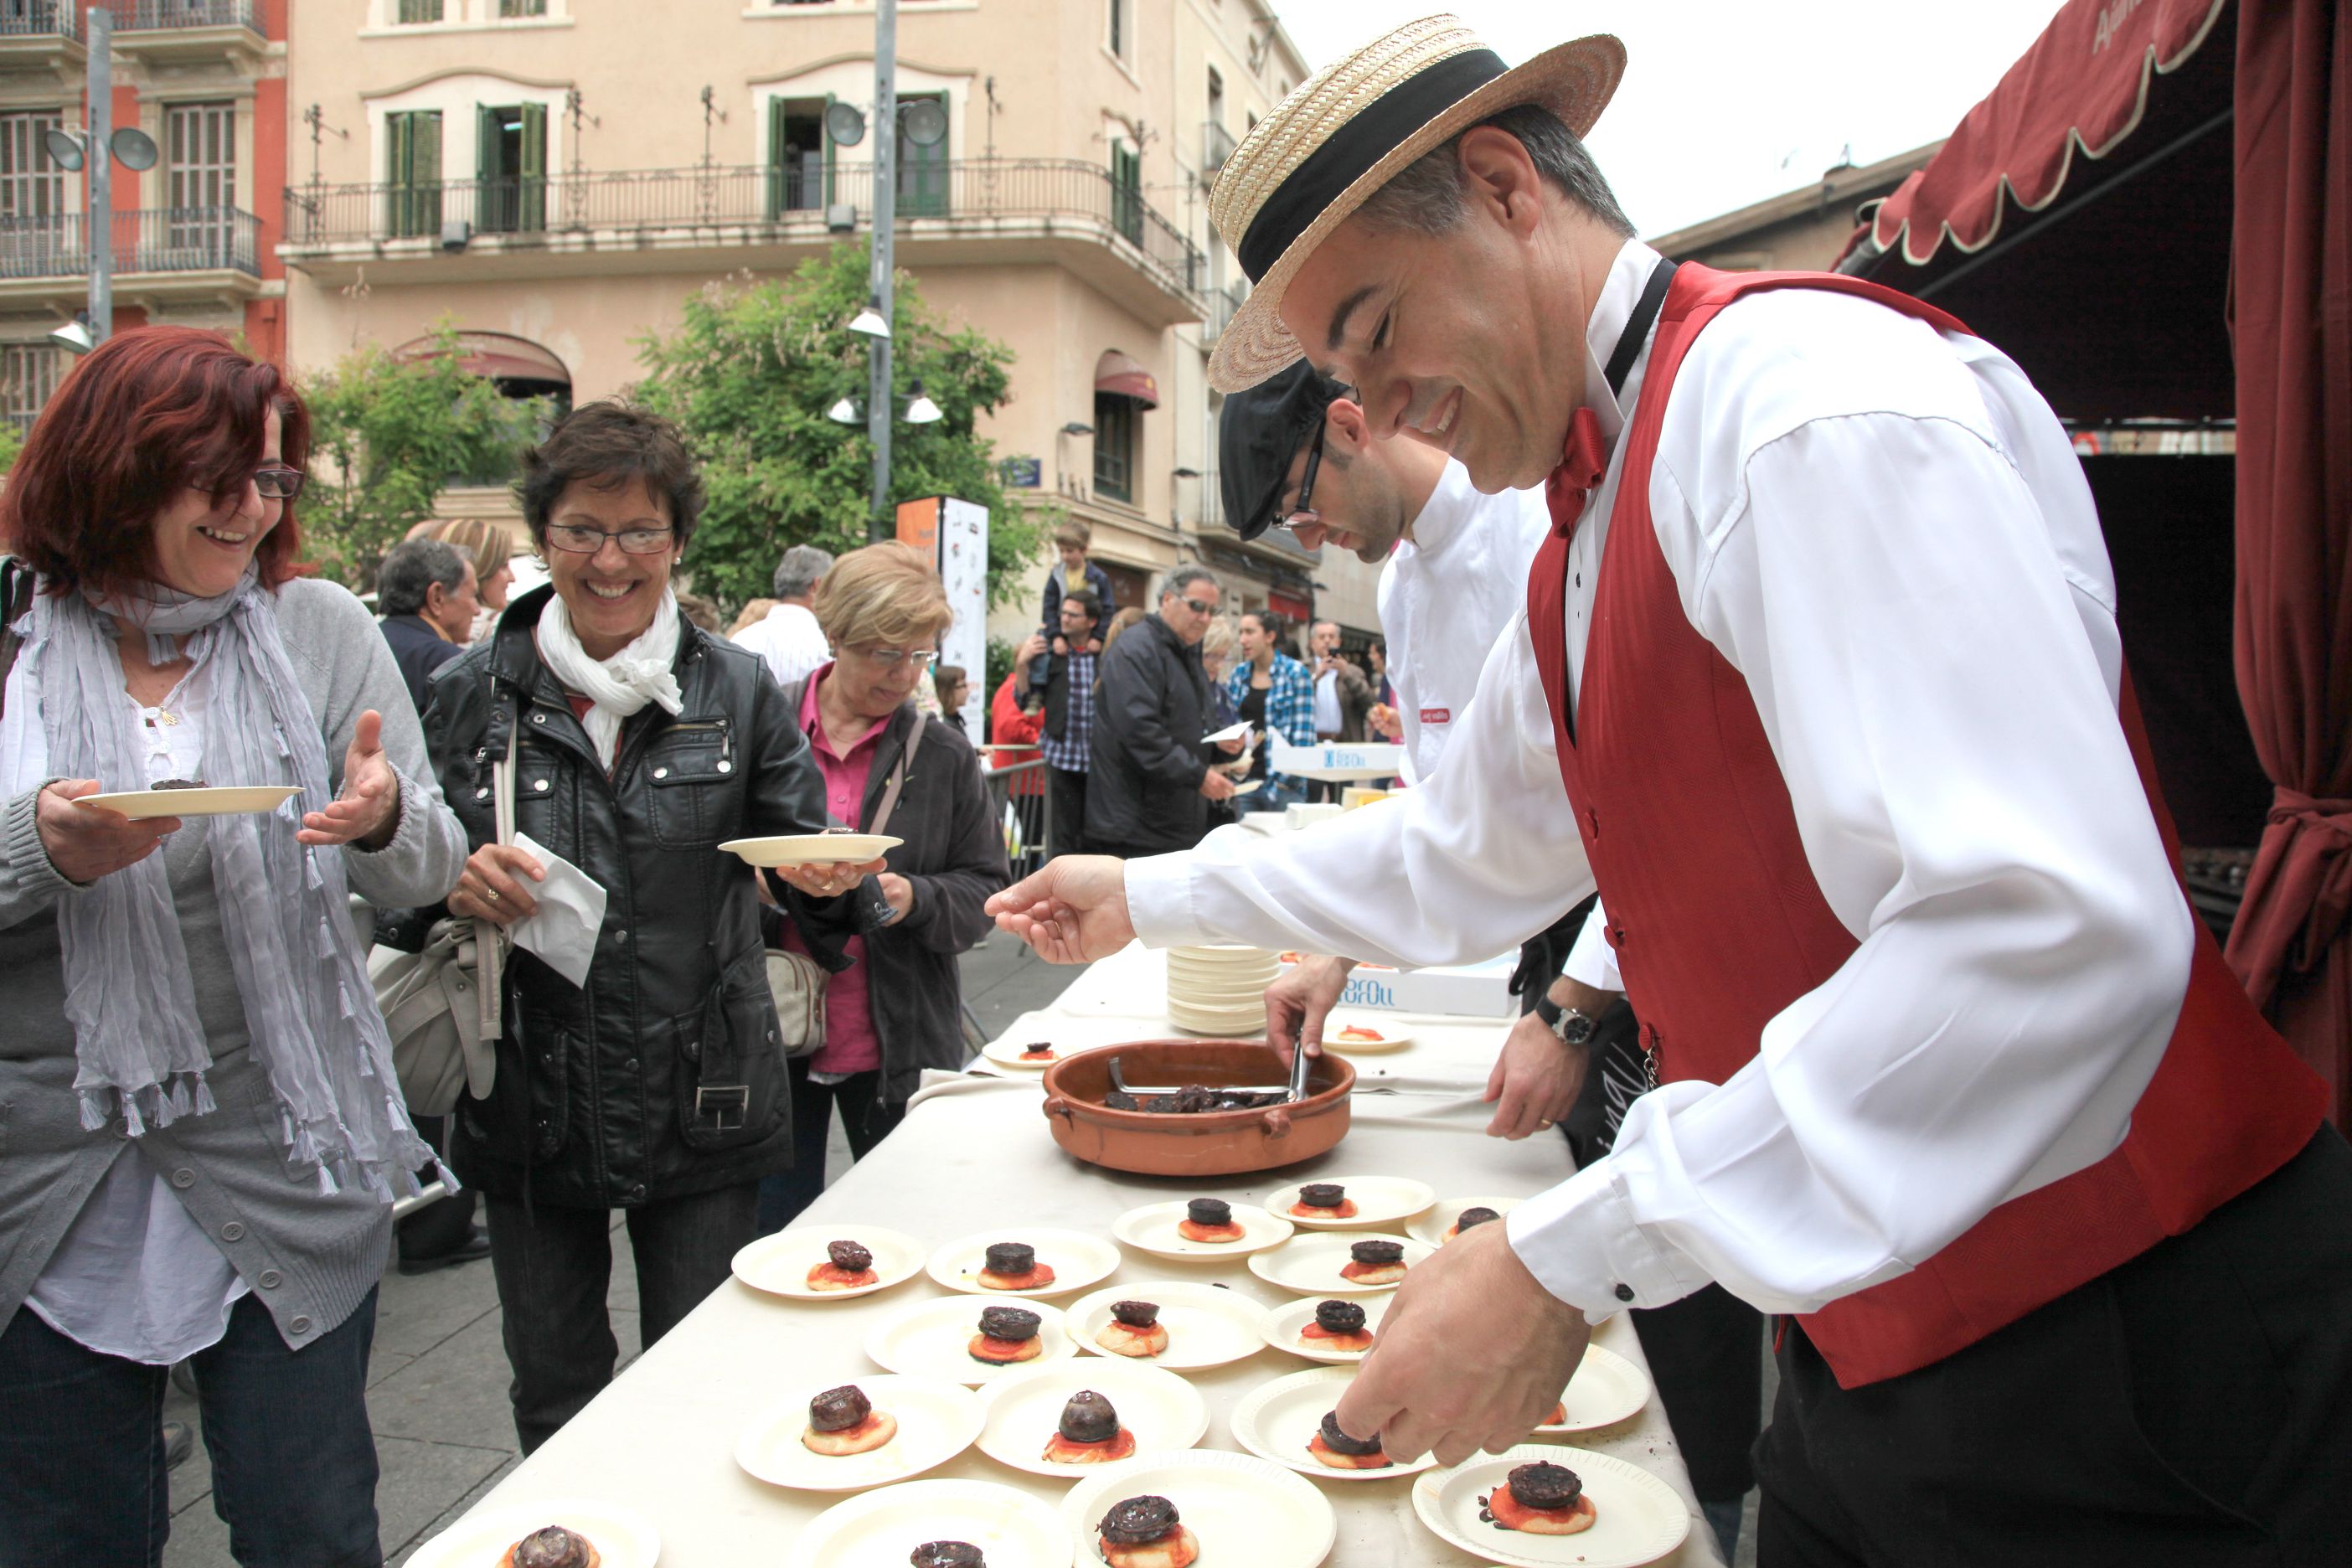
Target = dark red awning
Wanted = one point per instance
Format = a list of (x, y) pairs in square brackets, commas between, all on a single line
[(2080, 91), (1126, 377), (501, 356)]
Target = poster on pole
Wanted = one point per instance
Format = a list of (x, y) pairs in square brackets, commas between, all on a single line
[(954, 534)]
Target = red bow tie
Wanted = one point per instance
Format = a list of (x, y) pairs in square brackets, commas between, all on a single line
[(1582, 464)]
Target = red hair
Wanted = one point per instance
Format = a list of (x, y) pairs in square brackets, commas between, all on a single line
[(145, 416)]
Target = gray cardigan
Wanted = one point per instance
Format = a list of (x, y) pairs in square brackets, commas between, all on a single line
[(309, 1258)]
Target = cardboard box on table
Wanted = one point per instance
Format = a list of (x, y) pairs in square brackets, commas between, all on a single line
[(1469, 990)]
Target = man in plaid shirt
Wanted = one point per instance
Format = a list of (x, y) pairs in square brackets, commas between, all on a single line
[(1068, 699)]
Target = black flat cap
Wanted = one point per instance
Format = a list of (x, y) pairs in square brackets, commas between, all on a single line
[(1258, 434)]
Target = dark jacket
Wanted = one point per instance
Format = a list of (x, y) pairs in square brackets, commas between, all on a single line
[(954, 856), (1150, 710), (420, 651), (664, 1076), (1356, 698)]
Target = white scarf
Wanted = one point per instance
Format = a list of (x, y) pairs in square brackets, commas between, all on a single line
[(618, 686)]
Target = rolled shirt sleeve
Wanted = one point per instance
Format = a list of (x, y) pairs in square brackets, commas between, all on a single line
[(1591, 961)]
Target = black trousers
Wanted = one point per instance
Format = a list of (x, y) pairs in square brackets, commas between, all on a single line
[(1067, 789), (554, 1267), (442, 1226), (2193, 1405), (866, 1121)]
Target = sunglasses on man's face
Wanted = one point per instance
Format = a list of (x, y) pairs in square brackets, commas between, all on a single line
[(1198, 608)]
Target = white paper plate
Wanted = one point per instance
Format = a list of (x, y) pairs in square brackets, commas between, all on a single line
[(623, 1537), (812, 849), (1310, 1264), (1432, 1225), (1250, 787), (1379, 1200), (1152, 1228), (884, 1527), (222, 800), (1207, 1325), (1275, 1420), (1639, 1518), (1023, 1411), (1284, 1325), (1605, 1389), (1248, 1025), (1076, 1259), (936, 1421), (780, 1264), (1391, 1037), (1242, 1510), (1007, 1054), (933, 1339)]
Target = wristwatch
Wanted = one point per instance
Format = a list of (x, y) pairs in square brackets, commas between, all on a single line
[(1574, 1028)]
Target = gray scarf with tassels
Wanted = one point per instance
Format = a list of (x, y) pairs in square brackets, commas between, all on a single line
[(310, 1009)]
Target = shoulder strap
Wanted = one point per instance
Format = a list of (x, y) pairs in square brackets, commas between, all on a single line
[(12, 575), (898, 775)]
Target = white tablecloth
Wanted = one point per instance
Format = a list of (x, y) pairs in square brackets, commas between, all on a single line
[(975, 1150)]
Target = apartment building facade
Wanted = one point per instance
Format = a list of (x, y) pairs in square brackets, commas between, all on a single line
[(559, 175), (194, 239)]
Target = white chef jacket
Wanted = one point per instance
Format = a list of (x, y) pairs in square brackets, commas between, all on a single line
[(1886, 531), (789, 638), (1447, 596)]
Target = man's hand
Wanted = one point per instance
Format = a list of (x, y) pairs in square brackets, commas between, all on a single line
[(1536, 1079), (1072, 911), (368, 810), (1215, 785), (1384, 721), (1473, 1354), (1236, 746), (1297, 1003), (493, 886), (1061, 645), (85, 842)]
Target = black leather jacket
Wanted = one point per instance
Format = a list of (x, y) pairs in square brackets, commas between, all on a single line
[(663, 1076)]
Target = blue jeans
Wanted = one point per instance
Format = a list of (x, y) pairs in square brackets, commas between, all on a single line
[(1273, 797), (554, 1266), (81, 1447)]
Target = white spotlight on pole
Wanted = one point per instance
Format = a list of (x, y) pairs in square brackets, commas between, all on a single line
[(921, 410), (871, 325), (845, 412), (74, 336)]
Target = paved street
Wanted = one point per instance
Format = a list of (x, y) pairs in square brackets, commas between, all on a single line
[(437, 1383)]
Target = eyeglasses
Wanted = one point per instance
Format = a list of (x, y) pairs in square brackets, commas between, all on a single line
[(1198, 608), (276, 481), (889, 658), (1304, 514), (576, 540)]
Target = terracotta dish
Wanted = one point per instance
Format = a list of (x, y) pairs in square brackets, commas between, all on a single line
[(1212, 1143)]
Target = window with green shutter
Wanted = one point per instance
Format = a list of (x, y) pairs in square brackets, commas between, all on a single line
[(922, 171), (799, 156), (510, 166), (414, 11), (1126, 191), (412, 175)]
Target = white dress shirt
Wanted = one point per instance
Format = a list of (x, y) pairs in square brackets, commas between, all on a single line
[(789, 638), (1887, 532), (1590, 959), (1447, 596)]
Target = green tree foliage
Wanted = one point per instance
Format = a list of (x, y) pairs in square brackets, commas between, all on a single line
[(11, 441), (387, 436), (749, 375)]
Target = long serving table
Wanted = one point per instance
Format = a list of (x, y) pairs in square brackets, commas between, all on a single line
[(973, 1152)]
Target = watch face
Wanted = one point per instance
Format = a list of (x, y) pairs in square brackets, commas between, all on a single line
[(1575, 1028)]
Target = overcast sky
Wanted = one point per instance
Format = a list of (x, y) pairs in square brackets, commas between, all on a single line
[(1727, 101)]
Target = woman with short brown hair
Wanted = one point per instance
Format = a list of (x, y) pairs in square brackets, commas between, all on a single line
[(896, 1005)]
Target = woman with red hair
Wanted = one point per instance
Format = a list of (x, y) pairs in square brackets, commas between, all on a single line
[(204, 1137)]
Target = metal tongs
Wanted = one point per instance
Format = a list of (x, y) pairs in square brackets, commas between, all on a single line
[(1118, 1081), (1299, 1063)]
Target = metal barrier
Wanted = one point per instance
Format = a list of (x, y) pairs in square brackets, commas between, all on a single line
[(1023, 807)]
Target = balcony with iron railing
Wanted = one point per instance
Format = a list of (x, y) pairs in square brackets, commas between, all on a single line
[(213, 250), (1216, 145), (964, 211), (1222, 305), (188, 32)]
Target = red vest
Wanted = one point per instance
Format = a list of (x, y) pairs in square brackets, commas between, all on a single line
[(1687, 824)]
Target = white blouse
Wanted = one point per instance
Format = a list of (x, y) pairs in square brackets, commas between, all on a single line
[(1886, 531)]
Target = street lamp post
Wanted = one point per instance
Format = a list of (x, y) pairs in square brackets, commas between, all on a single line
[(882, 525), (100, 238)]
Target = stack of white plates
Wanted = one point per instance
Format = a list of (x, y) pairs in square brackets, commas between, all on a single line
[(1220, 991)]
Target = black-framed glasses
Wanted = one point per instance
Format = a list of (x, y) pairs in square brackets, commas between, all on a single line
[(1304, 514), (276, 481), (576, 539), (1198, 608)]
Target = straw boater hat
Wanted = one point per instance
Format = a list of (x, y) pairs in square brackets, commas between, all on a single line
[(1339, 137)]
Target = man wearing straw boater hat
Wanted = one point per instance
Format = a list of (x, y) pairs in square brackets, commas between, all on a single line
[(1819, 680)]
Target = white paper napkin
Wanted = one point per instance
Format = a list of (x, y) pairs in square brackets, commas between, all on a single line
[(562, 931)]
